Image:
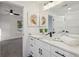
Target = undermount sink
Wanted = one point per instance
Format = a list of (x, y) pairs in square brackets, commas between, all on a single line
[(70, 40)]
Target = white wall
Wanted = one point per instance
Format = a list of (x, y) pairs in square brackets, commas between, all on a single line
[(0, 34), (8, 25)]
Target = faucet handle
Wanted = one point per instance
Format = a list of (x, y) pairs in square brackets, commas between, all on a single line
[(67, 31), (53, 32), (63, 30)]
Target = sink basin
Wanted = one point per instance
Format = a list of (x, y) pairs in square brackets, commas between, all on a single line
[(70, 40)]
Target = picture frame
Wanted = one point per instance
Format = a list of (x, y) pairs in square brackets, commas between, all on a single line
[(19, 25), (32, 20), (42, 21)]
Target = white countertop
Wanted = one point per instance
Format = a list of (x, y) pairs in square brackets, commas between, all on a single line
[(72, 49)]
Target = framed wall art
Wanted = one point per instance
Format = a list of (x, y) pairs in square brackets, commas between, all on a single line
[(19, 25), (32, 20), (42, 21)]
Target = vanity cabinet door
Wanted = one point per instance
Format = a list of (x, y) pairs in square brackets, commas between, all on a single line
[(43, 48), (42, 52), (38, 48), (43, 45), (60, 53), (32, 40), (34, 51)]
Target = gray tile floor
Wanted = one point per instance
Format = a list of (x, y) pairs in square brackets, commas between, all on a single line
[(11, 48)]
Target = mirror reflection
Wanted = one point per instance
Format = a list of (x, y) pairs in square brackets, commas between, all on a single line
[(65, 17)]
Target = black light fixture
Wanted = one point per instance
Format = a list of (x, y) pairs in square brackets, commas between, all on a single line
[(12, 13)]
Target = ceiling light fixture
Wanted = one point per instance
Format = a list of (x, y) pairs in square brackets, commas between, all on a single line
[(69, 8), (11, 13)]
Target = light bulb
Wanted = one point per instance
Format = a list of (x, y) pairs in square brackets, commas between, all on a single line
[(11, 13), (69, 8)]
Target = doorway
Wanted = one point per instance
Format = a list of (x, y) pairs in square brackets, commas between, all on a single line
[(11, 19)]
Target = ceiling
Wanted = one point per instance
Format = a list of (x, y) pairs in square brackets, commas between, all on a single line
[(62, 8), (17, 5), (23, 3)]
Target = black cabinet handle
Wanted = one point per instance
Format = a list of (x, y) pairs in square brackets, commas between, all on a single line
[(40, 51), (31, 52), (67, 31), (60, 53), (31, 45), (38, 39), (31, 39), (63, 30)]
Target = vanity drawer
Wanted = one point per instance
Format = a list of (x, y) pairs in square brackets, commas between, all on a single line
[(32, 40), (34, 51), (45, 53), (32, 46), (34, 54), (60, 53), (43, 45)]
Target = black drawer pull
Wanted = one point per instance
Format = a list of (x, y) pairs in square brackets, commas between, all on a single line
[(31, 52), (60, 53), (31, 45), (37, 39), (40, 51), (31, 39)]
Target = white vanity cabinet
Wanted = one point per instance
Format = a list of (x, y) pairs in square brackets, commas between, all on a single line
[(39, 48)]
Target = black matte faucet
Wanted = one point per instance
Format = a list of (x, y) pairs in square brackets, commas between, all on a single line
[(50, 33)]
